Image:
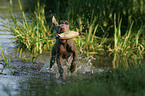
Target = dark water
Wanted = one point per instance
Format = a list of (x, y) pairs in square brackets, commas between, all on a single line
[(24, 78)]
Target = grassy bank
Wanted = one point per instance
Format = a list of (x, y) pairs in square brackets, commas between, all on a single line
[(112, 83)]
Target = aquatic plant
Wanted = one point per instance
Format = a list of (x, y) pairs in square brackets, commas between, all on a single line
[(96, 20), (127, 49), (103, 11), (31, 32), (89, 43), (5, 60), (106, 29)]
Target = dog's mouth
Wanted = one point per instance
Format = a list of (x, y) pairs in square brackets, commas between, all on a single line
[(63, 40)]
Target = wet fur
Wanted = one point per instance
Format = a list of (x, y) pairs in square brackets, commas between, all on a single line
[(63, 50)]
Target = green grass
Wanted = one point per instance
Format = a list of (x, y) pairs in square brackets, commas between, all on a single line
[(4, 61), (127, 46), (30, 35), (107, 29), (116, 82)]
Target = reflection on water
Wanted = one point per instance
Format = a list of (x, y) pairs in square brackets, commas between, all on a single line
[(8, 85), (13, 83), (4, 8), (27, 85)]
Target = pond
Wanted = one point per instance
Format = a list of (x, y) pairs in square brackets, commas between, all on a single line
[(24, 78)]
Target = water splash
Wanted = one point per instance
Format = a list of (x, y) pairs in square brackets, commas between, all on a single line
[(84, 65)]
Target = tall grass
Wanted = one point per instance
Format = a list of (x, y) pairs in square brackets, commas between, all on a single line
[(89, 42), (96, 19), (103, 11), (127, 48), (5, 60), (100, 21), (30, 32)]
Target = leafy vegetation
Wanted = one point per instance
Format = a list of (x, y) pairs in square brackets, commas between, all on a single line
[(100, 22), (30, 35), (5, 61)]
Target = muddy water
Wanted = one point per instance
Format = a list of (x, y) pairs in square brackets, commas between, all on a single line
[(24, 78)]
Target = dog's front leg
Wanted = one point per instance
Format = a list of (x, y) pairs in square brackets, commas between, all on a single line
[(60, 66), (53, 56), (74, 61), (52, 61)]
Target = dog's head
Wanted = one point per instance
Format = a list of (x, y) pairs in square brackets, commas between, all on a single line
[(60, 28)]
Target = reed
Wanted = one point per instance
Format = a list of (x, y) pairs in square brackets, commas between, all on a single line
[(127, 48), (109, 27), (29, 32), (96, 20), (5, 59), (89, 43), (103, 11)]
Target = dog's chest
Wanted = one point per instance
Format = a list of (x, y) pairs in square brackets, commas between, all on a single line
[(65, 50)]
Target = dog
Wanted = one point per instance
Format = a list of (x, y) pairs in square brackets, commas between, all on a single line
[(63, 48)]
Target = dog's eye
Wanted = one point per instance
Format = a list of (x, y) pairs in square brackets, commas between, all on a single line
[(61, 30)]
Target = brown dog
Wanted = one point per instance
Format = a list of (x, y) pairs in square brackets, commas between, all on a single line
[(63, 48)]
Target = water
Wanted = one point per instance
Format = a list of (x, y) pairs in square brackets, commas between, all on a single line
[(24, 78), (15, 82)]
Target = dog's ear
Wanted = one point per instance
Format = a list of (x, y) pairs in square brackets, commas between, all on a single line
[(56, 25), (54, 21)]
